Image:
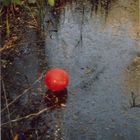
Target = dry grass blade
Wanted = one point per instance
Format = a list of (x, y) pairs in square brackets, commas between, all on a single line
[(24, 92), (6, 102), (12, 44), (28, 116), (7, 25)]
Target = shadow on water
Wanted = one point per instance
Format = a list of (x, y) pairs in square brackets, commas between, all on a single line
[(101, 5), (96, 6), (56, 99)]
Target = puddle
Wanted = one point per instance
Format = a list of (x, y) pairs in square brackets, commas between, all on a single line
[(95, 43)]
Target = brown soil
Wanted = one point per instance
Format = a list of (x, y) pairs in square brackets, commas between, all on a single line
[(132, 79)]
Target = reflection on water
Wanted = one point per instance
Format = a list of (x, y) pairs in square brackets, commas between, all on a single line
[(101, 5), (56, 99)]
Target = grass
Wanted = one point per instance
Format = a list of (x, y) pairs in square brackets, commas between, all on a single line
[(34, 8)]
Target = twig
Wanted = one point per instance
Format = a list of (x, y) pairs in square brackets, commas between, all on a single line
[(81, 34), (29, 95), (25, 91), (133, 97), (81, 28), (133, 100), (28, 116), (17, 44), (6, 102), (36, 132)]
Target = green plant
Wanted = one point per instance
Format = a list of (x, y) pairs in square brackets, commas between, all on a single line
[(7, 6), (35, 9), (41, 12), (9, 2)]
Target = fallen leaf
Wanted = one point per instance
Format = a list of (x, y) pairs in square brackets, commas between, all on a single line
[(16, 137), (63, 105), (51, 2)]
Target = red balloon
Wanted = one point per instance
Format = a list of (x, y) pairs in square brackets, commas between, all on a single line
[(56, 79)]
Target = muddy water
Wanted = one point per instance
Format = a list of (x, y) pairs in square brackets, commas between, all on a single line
[(95, 47), (95, 44)]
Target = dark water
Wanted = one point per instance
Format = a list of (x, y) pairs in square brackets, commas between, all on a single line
[(95, 42)]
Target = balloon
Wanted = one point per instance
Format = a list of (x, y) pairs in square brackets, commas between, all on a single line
[(56, 79)]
